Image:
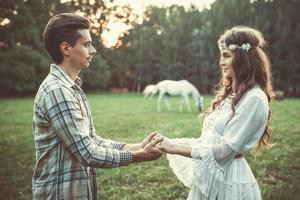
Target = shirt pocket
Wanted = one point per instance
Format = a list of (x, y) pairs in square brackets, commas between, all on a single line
[(82, 106), (83, 112)]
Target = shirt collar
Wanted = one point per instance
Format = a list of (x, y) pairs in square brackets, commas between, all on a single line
[(57, 71)]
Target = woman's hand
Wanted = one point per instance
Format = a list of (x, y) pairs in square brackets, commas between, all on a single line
[(167, 146)]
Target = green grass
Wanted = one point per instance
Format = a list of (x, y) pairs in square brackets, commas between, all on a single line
[(130, 118)]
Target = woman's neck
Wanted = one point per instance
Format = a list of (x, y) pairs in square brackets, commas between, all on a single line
[(233, 86)]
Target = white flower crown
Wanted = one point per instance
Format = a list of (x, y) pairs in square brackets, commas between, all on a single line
[(231, 47)]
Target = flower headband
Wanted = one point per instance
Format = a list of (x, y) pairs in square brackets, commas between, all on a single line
[(231, 47)]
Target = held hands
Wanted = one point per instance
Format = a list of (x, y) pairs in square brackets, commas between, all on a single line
[(148, 150), (168, 146), (152, 148), (165, 145), (148, 139)]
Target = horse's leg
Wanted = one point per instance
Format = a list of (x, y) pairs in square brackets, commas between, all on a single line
[(180, 104), (187, 102), (151, 95), (167, 102), (145, 96), (160, 96)]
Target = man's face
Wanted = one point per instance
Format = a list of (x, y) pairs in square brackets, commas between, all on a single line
[(226, 62), (82, 53)]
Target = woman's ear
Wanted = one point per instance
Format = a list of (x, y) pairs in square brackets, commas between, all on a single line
[(65, 49)]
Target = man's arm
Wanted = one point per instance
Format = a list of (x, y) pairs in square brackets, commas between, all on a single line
[(101, 142), (67, 121), (123, 145)]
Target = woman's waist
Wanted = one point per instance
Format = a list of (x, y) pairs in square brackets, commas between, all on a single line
[(239, 156), (239, 171)]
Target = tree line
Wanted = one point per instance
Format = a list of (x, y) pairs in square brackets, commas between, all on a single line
[(171, 43)]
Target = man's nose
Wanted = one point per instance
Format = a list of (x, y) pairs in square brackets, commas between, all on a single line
[(93, 51)]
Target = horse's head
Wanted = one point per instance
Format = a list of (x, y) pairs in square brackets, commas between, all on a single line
[(200, 103), (155, 90)]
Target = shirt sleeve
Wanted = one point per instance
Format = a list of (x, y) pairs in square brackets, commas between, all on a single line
[(109, 143), (67, 121)]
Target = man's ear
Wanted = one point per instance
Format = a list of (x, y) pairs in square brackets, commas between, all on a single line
[(65, 48)]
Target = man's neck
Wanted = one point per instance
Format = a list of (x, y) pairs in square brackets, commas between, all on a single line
[(69, 70)]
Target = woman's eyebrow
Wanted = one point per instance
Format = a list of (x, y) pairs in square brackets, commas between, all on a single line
[(226, 53)]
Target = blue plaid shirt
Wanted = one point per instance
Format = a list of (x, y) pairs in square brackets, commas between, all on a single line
[(67, 147)]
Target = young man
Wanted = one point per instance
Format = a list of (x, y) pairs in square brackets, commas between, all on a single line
[(67, 147)]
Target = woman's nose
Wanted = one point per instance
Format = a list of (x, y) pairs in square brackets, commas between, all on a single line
[(221, 63)]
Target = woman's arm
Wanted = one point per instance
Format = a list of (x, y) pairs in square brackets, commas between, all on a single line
[(241, 133), (169, 147)]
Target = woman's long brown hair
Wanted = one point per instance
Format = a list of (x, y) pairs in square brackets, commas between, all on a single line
[(250, 68)]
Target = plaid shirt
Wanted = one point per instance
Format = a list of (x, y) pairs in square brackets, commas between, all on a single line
[(67, 147)]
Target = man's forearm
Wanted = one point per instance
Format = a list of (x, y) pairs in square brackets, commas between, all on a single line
[(132, 147), (138, 156)]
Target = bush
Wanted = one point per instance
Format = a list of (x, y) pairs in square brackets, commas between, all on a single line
[(21, 70)]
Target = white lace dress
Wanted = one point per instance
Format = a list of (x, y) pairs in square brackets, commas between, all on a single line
[(213, 172)]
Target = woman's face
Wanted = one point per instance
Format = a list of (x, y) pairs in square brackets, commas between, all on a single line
[(226, 63)]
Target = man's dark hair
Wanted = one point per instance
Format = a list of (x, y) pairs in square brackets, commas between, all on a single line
[(62, 28)]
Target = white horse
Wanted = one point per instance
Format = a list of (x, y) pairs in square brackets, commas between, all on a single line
[(150, 91), (181, 88)]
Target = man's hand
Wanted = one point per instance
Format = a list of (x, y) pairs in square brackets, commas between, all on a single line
[(149, 152), (140, 146), (151, 148)]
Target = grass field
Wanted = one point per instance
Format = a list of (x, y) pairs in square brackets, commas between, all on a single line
[(128, 117)]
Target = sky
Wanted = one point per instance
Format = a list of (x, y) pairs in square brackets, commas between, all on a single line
[(139, 6)]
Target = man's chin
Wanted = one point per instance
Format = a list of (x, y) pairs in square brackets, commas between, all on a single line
[(86, 66)]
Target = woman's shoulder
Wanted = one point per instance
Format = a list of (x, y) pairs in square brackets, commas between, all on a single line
[(255, 96), (257, 92)]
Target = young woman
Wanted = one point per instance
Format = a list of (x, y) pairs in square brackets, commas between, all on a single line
[(237, 121)]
